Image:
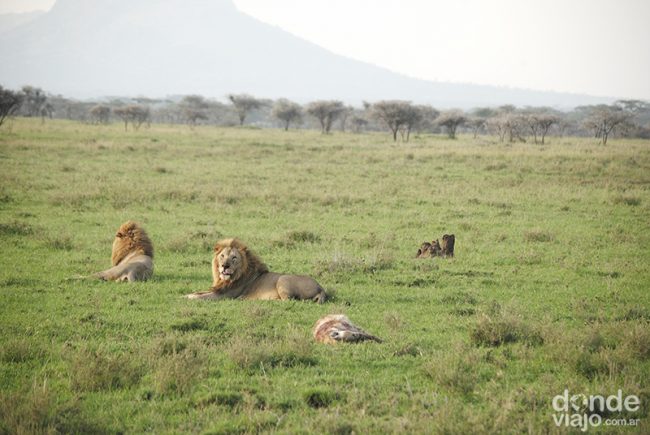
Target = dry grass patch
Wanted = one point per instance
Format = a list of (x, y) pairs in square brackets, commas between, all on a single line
[(250, 353), (538, 235), (499, 329), (97, 370)]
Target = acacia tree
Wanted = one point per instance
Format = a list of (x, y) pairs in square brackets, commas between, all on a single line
[(33, 100), (287, 112), (193, 108), (540, 123), (451, 120), (134, 113), (9, 102), (603, 120), (418, 117), (479, 119), (244, 104), (100, 114), (392, 113), (476, 124), (326, 111), (345, 114), (508, 123)]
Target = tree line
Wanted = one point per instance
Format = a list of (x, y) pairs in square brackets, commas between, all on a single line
[(630, 118)]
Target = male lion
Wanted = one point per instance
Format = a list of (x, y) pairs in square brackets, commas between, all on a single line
[(334, 328), (132, 255), (238, 273), (448, 242)]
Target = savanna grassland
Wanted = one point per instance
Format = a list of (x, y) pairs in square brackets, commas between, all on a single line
[(549, 288)]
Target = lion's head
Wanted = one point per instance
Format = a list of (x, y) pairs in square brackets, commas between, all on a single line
[(448, 242), (130, 237), (233, 261)]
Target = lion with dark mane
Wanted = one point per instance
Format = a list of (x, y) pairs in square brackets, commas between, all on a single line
[(237, 273), (132, 256)]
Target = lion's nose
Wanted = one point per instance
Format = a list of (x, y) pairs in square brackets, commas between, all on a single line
[(226, 265)]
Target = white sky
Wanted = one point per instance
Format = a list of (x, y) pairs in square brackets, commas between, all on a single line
[(596, 47)]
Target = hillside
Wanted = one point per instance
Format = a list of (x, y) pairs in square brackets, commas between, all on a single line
[(90, 48)]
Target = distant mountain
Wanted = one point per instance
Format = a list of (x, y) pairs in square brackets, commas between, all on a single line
[(11, 21), (91, 48)]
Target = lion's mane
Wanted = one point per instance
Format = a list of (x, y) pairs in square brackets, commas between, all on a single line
[(251, 267), (130, 237)]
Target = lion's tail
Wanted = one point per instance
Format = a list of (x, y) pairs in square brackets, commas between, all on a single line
[(321, 296)]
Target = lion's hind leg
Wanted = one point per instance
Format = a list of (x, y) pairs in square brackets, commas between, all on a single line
[(115, 273), (300, 287)]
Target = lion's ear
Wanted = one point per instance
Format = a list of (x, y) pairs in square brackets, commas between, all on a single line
[(218, 248), (119, 235)]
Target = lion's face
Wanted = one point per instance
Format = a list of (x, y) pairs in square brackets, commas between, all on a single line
[(231, 264)]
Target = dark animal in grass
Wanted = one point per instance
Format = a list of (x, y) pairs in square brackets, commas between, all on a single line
[(448, 241), (437, 249), (335, 328), (429, 250)]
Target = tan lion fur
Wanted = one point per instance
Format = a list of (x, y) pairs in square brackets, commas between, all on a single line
[(336, 328), (132, 255), (429, 250), (237, 273)]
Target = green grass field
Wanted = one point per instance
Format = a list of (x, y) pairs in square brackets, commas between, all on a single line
[(549, 289)]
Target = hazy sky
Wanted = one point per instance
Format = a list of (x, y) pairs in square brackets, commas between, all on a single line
[(596, 47)]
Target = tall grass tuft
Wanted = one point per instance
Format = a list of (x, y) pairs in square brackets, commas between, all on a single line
[(100, 369), (502, 329)]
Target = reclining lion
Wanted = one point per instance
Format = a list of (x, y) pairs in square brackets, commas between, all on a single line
[(437, 249), (336, 328), (429, 250), (132, 256), (240, 274)]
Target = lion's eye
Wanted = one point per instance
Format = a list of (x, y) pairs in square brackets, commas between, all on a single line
[(234, 259)]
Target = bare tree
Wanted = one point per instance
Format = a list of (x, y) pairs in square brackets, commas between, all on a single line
[(9, 103), (633, 106), (392, 113), (508, 123), (416, 117), (345, 114), (479, 119), (326, 111), (424, 117), (100, 114), (33, 100), (287, 112), (540, 123), (193, 109), (603, 120), (46, 111), (135, 114), (638, 124), (244, 104), (358, 123), (475, 123), (451, 119)]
